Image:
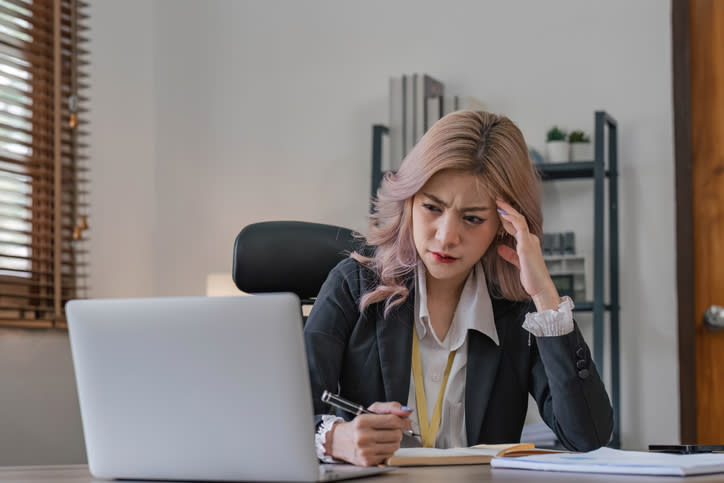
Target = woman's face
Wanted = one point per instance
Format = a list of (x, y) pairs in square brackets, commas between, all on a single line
[(454, 221)]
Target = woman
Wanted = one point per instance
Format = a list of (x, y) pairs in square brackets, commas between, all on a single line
[(453, 318)]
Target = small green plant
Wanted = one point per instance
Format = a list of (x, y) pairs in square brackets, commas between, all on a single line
[(578, 137), (555, 134)]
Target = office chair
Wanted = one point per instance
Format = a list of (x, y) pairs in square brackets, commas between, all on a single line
[(289, 256)]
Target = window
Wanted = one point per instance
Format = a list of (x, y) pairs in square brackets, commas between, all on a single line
[(42, 162)]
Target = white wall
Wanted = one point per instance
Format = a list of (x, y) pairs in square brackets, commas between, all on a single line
[(217, 114), (39, 417), (265, 112)]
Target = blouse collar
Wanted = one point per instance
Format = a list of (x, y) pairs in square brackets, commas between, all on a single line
[(474, 310)]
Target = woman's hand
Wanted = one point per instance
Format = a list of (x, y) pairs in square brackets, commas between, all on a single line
[(369, 439), (528, 257)]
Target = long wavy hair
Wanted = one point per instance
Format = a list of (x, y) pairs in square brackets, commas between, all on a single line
[(485, 145)]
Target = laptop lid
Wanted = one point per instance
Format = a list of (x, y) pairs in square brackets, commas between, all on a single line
[(194, 388)]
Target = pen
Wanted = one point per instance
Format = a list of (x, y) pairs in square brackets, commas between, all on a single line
[(353, 408)]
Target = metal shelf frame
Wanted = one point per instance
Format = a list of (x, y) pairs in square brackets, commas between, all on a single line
[(603, 167)]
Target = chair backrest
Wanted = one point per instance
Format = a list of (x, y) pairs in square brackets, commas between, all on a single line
[(289, 256)]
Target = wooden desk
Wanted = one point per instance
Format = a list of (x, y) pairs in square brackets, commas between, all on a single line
[(436, 474)]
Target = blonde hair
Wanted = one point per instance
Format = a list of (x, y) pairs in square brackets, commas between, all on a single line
[(485, 145)]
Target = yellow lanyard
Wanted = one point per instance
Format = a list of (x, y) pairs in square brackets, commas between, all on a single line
[(428, 431)]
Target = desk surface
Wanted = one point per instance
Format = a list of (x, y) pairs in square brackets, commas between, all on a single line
[(466, 473)]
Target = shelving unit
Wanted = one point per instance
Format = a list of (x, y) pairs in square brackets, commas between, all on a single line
[(573, 272), (604, 167)]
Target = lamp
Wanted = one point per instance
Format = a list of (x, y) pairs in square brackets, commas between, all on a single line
[(221, 285)]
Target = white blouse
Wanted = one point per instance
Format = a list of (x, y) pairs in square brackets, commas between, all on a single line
[(474, 311)]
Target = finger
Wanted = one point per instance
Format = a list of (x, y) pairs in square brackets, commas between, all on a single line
[(507, 208), (376, 454), (387, 436), (386, 450), (391, 407), (513, 222), (509, 255), (381, 421)]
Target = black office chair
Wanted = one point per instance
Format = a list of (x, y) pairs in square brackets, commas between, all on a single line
[(289, 256)]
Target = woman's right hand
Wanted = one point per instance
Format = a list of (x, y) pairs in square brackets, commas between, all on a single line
[(369, 439)]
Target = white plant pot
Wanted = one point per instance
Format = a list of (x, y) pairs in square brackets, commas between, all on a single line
[(557, 151), (581, 152)]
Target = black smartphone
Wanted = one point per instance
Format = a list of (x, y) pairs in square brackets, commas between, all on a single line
[(687, 448)]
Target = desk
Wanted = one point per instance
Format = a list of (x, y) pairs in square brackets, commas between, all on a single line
[(436, 474)]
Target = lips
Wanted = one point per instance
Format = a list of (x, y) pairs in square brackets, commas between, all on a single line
[(442, 258)]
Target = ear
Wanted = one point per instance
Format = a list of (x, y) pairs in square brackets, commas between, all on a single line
[(508, 254)]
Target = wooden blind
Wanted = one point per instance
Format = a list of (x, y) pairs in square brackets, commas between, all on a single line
[(43, 169)]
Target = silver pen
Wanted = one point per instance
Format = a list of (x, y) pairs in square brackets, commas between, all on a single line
[(353, 408)]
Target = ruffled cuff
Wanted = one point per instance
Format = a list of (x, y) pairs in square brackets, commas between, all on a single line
[(551, 322), (320, 437)]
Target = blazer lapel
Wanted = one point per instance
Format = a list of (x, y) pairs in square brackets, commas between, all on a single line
[(483, 360), (394, 342)]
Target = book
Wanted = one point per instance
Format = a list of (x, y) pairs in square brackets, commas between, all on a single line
[(448, 104), (607, 460), (425, 88), (408, 114), (474, 455), (433, 111), (396, 125)]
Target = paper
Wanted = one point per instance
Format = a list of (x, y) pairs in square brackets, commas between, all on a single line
[(607, 460)]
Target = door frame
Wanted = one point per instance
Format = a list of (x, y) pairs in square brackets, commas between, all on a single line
[(681, 69)]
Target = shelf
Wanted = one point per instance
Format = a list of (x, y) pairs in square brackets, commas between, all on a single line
[(571, 170)]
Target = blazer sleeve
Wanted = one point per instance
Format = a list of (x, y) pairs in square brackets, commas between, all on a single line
[(569, 392), (328, 329)]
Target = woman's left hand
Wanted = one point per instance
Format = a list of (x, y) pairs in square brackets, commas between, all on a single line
[(528, 257)]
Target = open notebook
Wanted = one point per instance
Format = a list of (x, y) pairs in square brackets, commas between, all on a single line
[(479, 454)]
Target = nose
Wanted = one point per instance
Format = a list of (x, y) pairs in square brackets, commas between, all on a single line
[(447, 231)]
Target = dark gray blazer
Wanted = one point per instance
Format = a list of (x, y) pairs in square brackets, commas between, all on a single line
[(366, 357)]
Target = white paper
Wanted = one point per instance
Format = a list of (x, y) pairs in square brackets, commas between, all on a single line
[(607, 460)]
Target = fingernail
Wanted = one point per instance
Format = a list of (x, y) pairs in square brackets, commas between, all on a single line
[(502, 212), (405, 408)]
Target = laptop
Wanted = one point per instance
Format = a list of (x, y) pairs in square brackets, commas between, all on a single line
[(197, 388)]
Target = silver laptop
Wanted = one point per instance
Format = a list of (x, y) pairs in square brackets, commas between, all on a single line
[(197, 388)]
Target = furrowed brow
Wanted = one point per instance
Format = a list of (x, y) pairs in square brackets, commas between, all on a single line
[(441, 202)]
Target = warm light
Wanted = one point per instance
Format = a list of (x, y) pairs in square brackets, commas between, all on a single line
[(221, 285)]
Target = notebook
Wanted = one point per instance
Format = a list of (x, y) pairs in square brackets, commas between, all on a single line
[(196, 388), (474, 455)]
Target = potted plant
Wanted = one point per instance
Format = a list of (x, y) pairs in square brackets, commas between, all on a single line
[(580, 146), (557, 145)]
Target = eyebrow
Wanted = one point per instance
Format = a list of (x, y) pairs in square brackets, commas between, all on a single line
[(441, 202)]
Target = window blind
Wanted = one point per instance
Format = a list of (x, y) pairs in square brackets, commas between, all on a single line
[(43, 163)]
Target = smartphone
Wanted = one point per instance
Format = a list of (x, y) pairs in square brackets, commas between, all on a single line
[(687, 448)]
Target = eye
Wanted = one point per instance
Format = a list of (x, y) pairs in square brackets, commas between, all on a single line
[(473, 220), (430, 207)]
